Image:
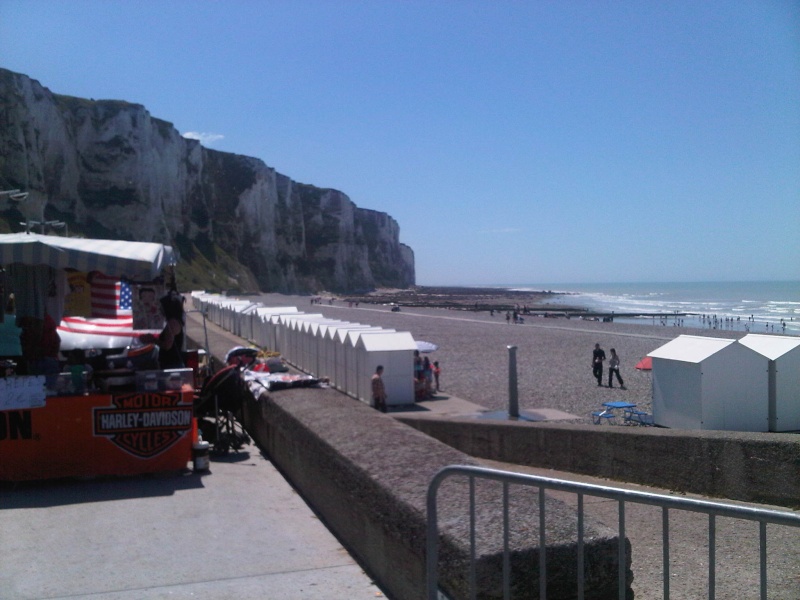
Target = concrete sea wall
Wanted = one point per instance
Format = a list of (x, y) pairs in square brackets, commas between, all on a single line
[(751, 467), (366, 475)]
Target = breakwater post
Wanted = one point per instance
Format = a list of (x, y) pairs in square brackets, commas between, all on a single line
[(513, 399)]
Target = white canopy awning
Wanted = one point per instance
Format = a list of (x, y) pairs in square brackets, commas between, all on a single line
[(138, 261)]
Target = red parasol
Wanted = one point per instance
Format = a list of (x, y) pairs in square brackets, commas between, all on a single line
[(646, 364)]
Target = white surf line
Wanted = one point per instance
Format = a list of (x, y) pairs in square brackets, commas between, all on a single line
[(537, 325)]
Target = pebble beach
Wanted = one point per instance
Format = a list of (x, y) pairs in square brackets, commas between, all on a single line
[(553, 354), (554, 372)]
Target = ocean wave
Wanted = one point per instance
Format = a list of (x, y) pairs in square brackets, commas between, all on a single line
[(761, 305)]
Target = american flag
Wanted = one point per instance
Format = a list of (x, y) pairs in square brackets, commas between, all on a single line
[(111, 298), (111, 324)]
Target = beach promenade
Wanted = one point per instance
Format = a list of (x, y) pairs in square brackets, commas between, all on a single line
[(237, 532)]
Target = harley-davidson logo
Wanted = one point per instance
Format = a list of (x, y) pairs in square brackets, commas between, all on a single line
[(144, 423)]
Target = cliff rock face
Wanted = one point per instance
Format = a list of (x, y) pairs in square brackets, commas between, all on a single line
[(110, 169)]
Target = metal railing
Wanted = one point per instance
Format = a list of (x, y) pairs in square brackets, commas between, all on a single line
[(667, 503)]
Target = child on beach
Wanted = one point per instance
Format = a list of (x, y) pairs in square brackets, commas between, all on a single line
[(436, 372)]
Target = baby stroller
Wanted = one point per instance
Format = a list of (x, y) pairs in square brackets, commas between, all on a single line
[(216, 407)]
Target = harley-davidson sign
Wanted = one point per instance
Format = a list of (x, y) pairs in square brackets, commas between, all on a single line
[(144, 423)]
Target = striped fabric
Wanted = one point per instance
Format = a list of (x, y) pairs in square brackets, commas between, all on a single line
[(107, 327), (132, 260), (79, 332)]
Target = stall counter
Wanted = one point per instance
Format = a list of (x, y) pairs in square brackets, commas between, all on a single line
[(125, 433)]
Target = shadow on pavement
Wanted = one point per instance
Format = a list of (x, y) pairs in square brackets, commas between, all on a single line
[(42, 494)]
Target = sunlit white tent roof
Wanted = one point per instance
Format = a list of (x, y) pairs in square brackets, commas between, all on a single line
[(690, 348), (770, 346), (141, 261)]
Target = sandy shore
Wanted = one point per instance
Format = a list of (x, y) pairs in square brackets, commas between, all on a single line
[(553, 354)]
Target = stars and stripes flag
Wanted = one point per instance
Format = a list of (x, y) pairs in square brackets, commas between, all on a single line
[(111, 298), (111, 323)]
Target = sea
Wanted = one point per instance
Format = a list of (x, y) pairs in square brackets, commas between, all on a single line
[(746, 306)]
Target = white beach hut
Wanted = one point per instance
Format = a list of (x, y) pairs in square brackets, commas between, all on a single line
[(351, 368), (278, 331), (245, 318), (233, 307), (336, 356), (322, 347), (293, 326), (312, 347), (781, 360), (302, 330), (708, 383), (264, 328), (395, 351), (211, 305)]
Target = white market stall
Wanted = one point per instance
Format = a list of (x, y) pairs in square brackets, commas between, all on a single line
[(781, 360), (709, 383), (66, 429), (28, 257)]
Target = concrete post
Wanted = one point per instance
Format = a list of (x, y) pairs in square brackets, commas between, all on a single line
[(513, 400)]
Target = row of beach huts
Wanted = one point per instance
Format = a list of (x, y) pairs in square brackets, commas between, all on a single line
[(343, 352)]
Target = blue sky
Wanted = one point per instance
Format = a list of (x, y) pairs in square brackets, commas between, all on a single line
[(514, 142)]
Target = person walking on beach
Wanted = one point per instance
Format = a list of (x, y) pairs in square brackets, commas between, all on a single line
[(598, 356), (613, 369), (378, 390)]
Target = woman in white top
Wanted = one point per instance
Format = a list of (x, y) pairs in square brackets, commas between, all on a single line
[(613, 368)]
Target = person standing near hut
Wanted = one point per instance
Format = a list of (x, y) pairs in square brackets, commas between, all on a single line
[(378, 390)]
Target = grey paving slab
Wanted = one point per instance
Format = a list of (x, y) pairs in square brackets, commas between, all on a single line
[(238, 531)]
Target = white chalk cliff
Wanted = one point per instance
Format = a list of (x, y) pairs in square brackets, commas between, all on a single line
[(111, 170)]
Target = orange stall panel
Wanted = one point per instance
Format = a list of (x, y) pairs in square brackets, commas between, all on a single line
[(100, 434)]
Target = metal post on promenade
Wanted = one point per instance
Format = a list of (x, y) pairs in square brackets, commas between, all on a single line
[(513, 399)]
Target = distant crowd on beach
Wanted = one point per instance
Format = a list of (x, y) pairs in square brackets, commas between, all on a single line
[(750, 324)]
